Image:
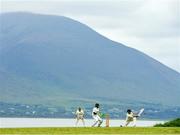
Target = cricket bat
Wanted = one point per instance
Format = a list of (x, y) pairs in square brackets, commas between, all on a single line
[(140, 112)]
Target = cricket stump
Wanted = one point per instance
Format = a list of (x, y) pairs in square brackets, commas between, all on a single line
[(107, 120)]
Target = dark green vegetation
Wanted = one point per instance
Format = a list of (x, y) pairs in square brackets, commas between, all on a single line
[(173, 123), (89, 131), (55, 61)]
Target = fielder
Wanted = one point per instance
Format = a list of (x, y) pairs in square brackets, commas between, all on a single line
[(80, 116)]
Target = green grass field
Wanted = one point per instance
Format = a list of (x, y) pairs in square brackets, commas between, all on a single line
[(93, 131)]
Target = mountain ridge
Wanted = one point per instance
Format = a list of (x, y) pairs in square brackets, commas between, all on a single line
[(51, 55)]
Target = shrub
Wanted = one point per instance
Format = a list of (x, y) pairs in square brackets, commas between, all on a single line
[(173, 123)]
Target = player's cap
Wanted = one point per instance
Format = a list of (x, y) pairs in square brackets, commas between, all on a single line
[(97, 105)]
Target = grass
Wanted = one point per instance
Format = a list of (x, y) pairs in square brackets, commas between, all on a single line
[(93, 131)]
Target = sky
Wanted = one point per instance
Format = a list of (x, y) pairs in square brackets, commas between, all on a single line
[(150, 26)]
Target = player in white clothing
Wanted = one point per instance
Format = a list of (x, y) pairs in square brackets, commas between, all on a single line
[(132, 117), (95, 115), (80, 116)]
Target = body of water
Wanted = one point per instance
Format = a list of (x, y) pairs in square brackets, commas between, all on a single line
[(50, 122)]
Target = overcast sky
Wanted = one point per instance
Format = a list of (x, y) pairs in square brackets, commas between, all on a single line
[(151, 26)]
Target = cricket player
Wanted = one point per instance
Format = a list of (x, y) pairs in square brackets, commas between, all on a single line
[(96, 117), (80, 116), (130, 117)]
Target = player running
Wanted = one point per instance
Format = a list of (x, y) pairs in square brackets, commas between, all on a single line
[(96, 117)]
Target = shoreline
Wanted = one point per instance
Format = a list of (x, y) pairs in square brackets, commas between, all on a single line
[(141, 119), (64, 122)]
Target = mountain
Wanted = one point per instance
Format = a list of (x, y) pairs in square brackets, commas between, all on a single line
[(55, 60)]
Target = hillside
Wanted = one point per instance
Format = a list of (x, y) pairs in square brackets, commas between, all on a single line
[(54, 60)]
